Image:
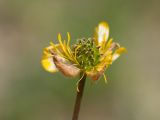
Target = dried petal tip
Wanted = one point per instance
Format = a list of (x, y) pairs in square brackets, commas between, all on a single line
[(118, 52)]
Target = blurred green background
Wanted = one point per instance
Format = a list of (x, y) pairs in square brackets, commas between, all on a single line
[(27, 92)]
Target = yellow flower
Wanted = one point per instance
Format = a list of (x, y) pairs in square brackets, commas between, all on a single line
[(90, 56)]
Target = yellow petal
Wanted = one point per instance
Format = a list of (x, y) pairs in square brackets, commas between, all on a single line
[(118, 53), (102, 33), (49, 65), (47, 60)]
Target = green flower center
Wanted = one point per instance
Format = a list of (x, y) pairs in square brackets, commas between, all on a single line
[(87, 53)]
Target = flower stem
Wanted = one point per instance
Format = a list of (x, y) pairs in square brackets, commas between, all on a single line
[(79, 98)]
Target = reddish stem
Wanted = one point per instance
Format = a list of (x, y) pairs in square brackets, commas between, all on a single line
[(79, 98)]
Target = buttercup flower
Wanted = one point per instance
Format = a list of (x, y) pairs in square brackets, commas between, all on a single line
[(90, 56)]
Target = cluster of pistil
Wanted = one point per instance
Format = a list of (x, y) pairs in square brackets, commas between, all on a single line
[(87, 53)]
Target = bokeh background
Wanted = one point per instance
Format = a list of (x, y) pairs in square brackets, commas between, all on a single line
[(27, 92)]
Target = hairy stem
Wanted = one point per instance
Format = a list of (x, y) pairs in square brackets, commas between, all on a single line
[(79, 98)]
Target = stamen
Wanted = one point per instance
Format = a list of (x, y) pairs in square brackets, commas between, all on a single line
[(79, 81), (76, 50), (63, 47), (69, 38), (105, 78)]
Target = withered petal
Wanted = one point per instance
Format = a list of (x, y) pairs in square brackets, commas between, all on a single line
[(95, 74), (67, 68)]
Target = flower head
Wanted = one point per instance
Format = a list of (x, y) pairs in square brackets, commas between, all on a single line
[(91, 56)]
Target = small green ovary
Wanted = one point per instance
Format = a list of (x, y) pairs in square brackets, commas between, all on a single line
[(87, 53)]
